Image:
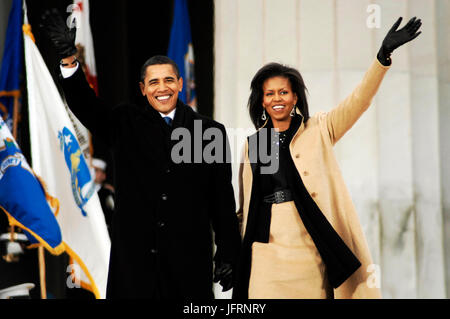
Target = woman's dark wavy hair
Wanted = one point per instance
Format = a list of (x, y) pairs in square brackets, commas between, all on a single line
[(270, 70)]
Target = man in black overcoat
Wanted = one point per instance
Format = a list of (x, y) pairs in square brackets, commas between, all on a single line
[(165, 211)]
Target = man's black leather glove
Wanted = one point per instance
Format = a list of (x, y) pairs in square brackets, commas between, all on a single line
[(62, 38), (394, 38), (223, 274)]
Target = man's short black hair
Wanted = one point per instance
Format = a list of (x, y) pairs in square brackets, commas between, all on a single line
[(159, 59)]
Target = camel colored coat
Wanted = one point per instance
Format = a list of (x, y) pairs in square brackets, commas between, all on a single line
[(311, 149)]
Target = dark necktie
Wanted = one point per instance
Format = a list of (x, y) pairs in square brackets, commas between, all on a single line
[(168, 120)]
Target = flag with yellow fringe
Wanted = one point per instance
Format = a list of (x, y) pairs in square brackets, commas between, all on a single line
[(23, 197), (59, 160)]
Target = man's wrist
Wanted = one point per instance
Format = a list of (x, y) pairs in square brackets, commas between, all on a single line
[(69, 62)]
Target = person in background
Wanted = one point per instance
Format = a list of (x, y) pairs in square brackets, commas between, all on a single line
[(104, 190)]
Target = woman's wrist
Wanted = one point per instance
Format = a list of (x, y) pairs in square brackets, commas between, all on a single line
[(384, 57)]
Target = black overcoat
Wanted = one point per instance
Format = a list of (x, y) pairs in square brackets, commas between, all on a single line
[(165, 213)]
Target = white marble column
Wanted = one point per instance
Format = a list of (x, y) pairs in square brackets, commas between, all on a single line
[(442, 16), (423, 65), (357, 151), (395, 171)]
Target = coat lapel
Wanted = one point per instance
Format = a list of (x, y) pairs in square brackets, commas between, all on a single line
[(153, 137)]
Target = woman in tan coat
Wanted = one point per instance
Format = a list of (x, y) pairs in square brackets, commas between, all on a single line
[(301, 234)]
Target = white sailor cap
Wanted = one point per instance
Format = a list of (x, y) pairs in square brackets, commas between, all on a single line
[(98, 163)]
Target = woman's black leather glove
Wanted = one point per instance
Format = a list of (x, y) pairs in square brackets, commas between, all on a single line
[(62, 38), (394, 38), (223, 274)]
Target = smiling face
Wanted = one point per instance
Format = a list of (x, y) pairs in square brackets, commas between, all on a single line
[(161, 87), (278, 101)]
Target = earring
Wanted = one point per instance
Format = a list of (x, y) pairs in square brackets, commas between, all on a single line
[(293, 111), (263, 116)]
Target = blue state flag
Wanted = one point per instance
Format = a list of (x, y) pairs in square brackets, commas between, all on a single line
[(11, 64), (182, 51), (23, 198)]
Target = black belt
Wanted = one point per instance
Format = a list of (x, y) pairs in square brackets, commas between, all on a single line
[(278, 197)]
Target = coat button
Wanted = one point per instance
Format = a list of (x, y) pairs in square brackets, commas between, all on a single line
[(154, 251), (164, 197), (297, 155), (161, 224), (305, 173), (313, 194)]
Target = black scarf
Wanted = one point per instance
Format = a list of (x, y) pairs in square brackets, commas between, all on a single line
[(339, 260)]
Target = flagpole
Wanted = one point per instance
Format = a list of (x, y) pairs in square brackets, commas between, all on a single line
[(14, 133), (42, 272), (15, 116), (41, 254), (91, 147)]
